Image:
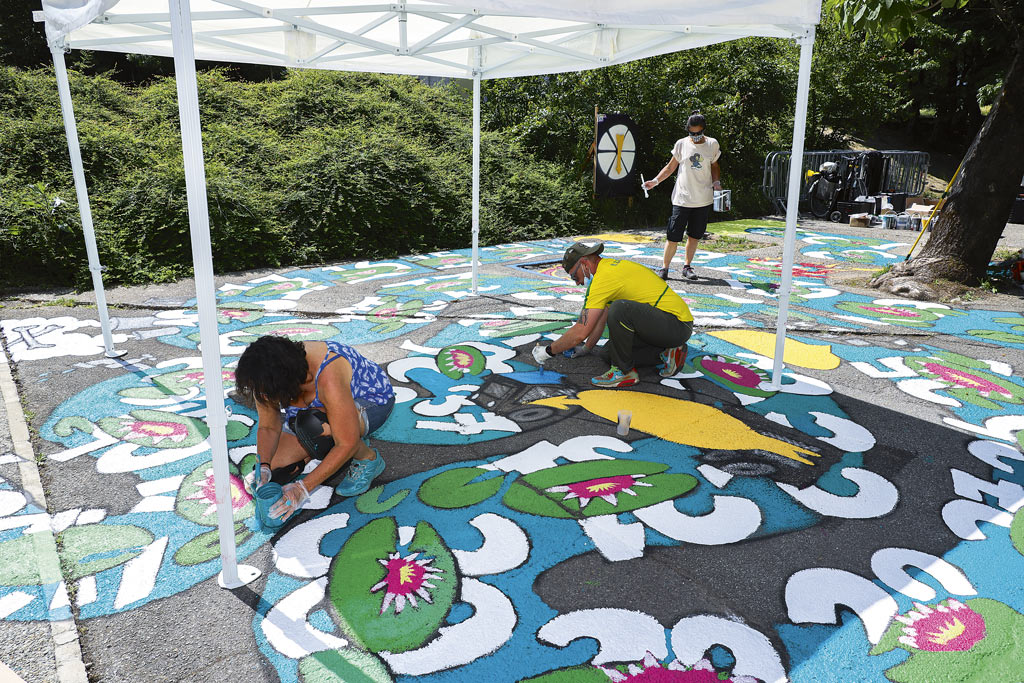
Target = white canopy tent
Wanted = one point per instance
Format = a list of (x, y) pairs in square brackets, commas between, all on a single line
[(478, 40)]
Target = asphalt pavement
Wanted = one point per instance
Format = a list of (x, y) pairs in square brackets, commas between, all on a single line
[(774, 533)]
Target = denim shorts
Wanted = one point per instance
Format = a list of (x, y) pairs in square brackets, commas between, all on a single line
[(373, 415)]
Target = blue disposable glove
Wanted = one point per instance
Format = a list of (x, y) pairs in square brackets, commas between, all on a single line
[(576, 351)]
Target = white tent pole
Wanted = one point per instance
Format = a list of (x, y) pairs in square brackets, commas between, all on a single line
[(82, 191), (231, 575), (476, 169), (793, 200)]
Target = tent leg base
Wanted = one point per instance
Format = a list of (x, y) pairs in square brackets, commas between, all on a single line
[(246, 575), (115, 353)]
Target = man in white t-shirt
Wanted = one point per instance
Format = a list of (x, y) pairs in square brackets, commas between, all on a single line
[(696, 157)]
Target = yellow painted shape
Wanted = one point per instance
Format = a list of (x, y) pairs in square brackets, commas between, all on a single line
[(679, 421), (619, 237), (619, 139), (801, 354)]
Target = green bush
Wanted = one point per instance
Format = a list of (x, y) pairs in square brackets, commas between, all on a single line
[(315, 167)]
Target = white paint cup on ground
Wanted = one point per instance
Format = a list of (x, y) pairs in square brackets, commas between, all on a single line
[(624, 417)]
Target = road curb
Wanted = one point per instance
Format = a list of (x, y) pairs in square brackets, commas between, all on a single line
[(67, 650)]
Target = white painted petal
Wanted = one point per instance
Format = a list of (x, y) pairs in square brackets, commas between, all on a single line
[(505, 546), (488, 629), (287, 629)]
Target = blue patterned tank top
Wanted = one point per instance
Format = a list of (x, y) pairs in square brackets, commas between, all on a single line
[(369, 382)]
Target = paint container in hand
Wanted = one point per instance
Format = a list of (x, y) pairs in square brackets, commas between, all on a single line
[(265, 497), (723, 200), (624, 417)]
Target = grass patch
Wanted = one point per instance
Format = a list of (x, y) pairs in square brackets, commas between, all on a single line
[(741, 226), (730, 243)]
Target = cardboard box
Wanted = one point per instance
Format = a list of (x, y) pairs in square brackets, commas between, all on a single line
[(922, 210), (859, 220)]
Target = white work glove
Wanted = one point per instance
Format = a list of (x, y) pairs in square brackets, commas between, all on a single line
[(294, 496), (650, 184), (263, 476), (577, 351), (717, 185), (540, 354)]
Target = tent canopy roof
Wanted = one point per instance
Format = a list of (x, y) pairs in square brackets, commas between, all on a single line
[(500, 38)]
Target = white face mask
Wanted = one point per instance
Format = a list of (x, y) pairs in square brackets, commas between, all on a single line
[(587, 277)]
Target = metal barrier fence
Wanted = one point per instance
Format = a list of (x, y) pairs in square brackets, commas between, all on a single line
[(904, 172)]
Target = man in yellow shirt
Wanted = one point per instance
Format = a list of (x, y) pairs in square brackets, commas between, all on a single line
[(647, 322)]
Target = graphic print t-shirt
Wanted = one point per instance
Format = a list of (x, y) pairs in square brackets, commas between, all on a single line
[(693, 180)]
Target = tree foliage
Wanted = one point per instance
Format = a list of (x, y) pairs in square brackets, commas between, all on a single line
[(745, 88), (967, 230)]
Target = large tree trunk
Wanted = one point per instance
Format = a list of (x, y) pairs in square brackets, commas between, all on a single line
[(965, 233)]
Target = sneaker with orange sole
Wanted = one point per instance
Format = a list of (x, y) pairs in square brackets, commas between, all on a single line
[(672, 360)]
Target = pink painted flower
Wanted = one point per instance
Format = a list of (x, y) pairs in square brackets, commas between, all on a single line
[(964, 379), (605, 488), (733, 372), (675, 672), (288, 331), (208, 492), (406, 578), (157, 431), (460, 359), (892, 310), (942, 628), (232, 313)]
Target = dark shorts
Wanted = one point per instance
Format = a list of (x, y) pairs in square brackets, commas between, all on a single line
[(374, 414), (693, 221)]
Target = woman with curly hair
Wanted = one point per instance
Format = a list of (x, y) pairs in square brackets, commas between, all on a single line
[(314, 400)]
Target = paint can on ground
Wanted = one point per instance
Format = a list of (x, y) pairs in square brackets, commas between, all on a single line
[(903, 221), (624, 418), (915, 223), (889, 221), (723, 200)]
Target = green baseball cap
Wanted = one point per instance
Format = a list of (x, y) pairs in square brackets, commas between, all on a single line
[(577, 251)]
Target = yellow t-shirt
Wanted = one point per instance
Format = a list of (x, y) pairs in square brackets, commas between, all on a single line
[(617, 279)]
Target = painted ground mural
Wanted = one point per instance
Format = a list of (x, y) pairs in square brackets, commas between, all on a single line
[(541, 544)]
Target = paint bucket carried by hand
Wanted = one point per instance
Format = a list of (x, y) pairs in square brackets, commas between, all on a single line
[(265, 497), (723, 200)]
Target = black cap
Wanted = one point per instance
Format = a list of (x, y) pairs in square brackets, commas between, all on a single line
[(577, 251)]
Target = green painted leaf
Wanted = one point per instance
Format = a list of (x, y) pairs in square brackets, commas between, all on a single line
[(357, 569), (370, 504), (15, 570), (996, 657), (452, 488), (67, 425), (206, 546), (343, 666), (576, 674), (459, 360), (156, 429), (571, 483), (90, 549), (1017, 529)]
